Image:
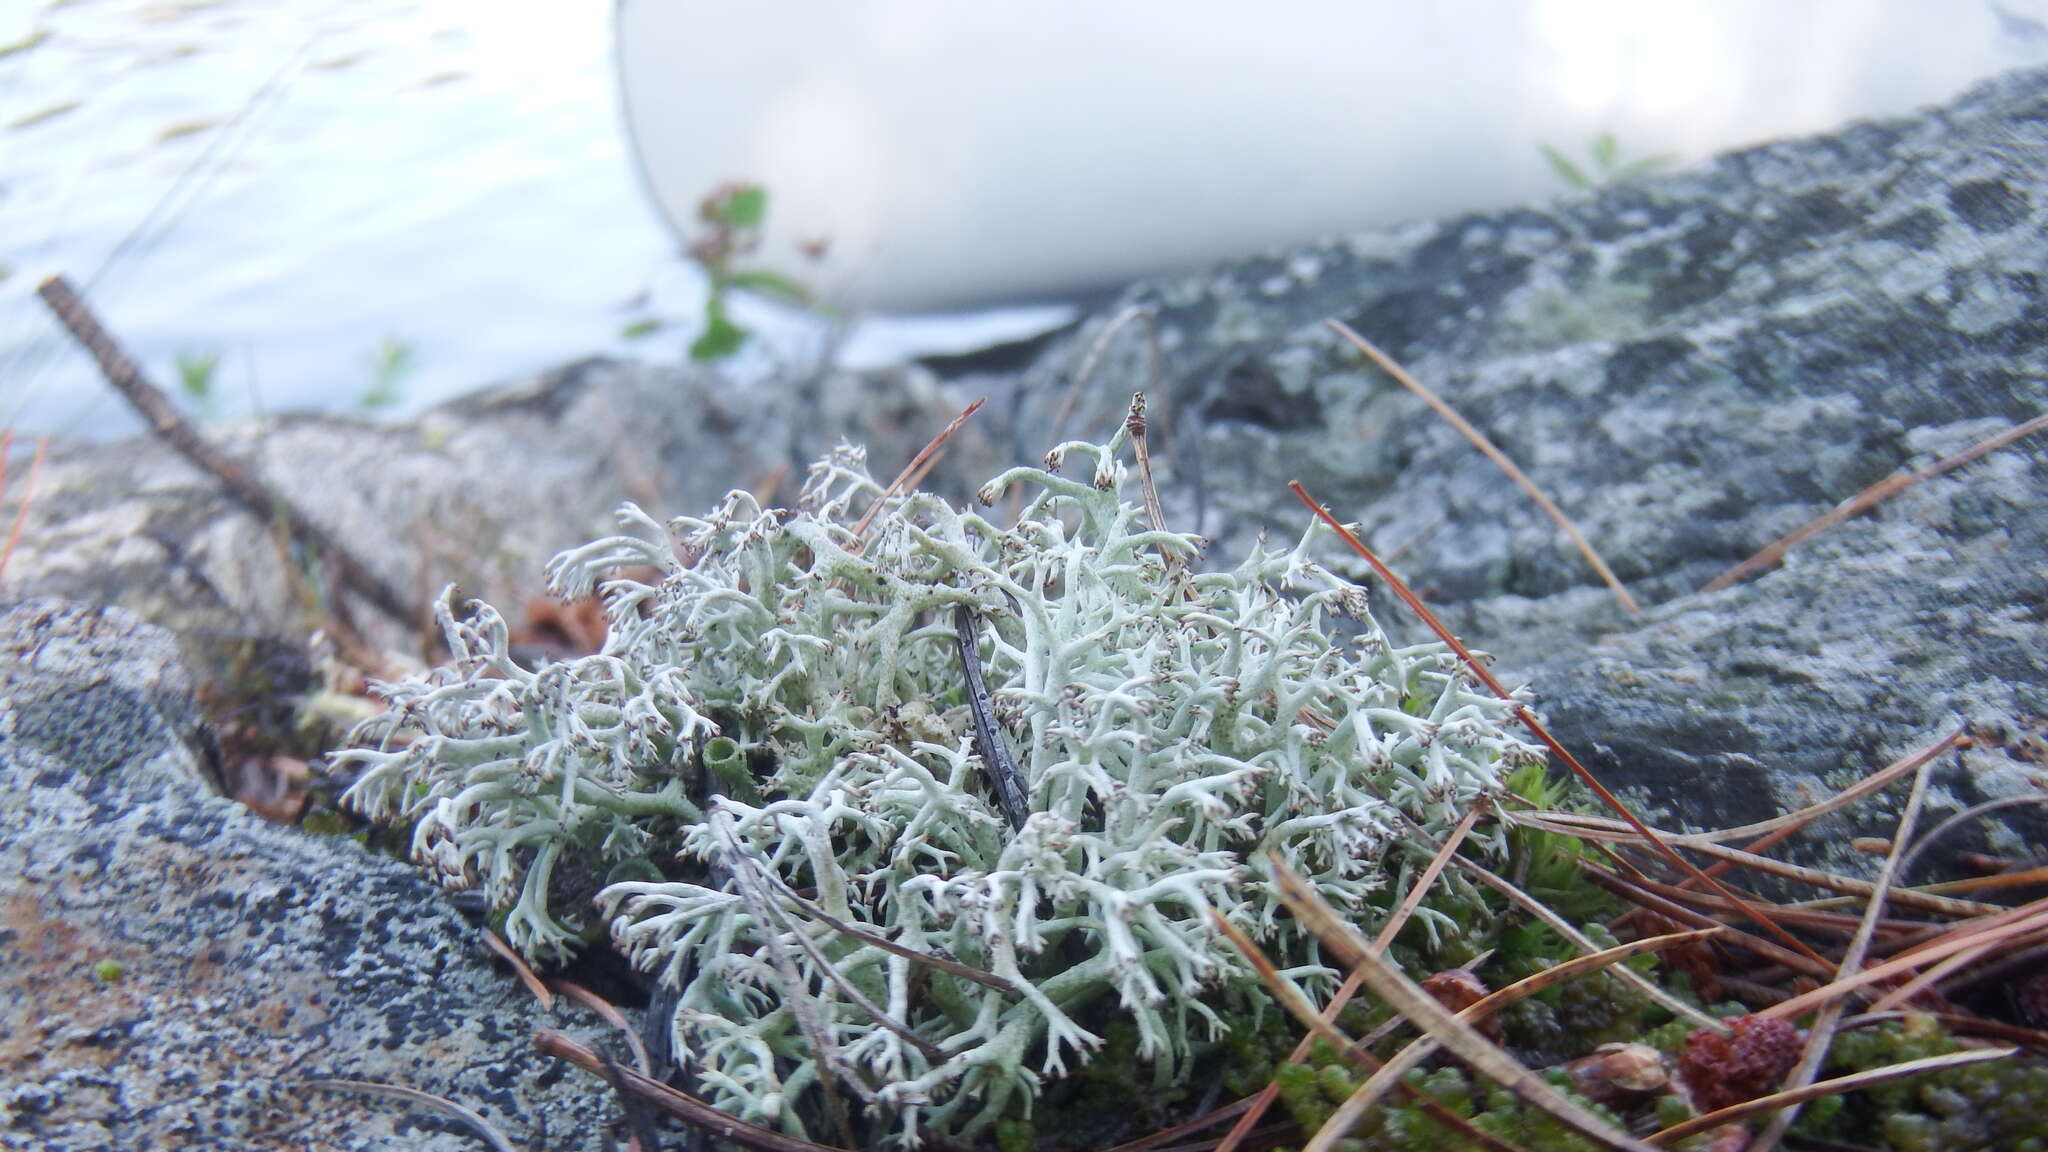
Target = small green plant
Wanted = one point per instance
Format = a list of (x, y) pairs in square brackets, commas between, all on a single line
[(108, 971), (733, 215), (390, 363), (197, 372), (1607, 167)]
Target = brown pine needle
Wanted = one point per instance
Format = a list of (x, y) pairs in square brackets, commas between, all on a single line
[(1320, 1026), (611, 1015), (1867, 499), (28, 493), (1821, 1034), (681, 1105), (540, 991), (1840, 1084), (1479, 440), (1410, 1000), (471, 1120), (1134, 423), (2020, 921), (1535, 726), (1423, 1047), (1399, 919), (913, 472)]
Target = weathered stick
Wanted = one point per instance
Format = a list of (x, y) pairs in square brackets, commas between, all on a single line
[(988, 735), (264, 502)]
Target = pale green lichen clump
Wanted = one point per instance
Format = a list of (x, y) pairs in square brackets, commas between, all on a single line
[(1170, 727)]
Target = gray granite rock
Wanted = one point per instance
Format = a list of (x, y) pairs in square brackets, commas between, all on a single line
[(1691, 367), (480, 491), (172, 968)]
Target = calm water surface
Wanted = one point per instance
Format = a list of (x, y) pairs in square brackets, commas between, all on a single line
[(291, 186)]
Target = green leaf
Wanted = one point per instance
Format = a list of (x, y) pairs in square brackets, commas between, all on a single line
[(721, 338), (195, 373), (1565, 169), (743, 208), (1606, 150), (640, 329), (770, 284)]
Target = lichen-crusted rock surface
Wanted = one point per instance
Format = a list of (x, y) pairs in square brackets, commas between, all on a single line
[(172, 968), (1691, 367)]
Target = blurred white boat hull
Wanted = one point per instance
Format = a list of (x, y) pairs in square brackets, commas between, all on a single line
[(948, 154)]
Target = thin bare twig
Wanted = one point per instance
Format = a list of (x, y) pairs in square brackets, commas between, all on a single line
[(1870, 498), (681, 1105), (1004, 779), (1479, 440), (259, 498), (470, 1119)]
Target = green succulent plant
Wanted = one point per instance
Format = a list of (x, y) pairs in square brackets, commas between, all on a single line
[(778, 779)]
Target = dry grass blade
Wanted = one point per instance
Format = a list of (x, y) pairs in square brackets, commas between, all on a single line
[(1815, 1091), (681, 1105), (1460, 1038), (1534, 725), (1413, 900), (611, 1015), (533, 983), (912, 473), (1423, 1047), (469, 1119), (1822, 1032), (28, 493), (2021, 921), (1867, 499), (1479, 440), (1320, 1026)]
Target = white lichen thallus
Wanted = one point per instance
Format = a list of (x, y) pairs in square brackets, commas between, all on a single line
[(883, 923)]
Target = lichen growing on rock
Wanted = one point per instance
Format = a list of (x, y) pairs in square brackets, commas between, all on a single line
[(772, 767)]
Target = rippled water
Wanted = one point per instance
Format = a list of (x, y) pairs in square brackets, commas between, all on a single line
[(294, 186)]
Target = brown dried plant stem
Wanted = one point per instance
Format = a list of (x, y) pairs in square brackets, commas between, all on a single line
[(264, 502), (913, 473), (1500, 459), (681, 1105), (1870, 498), (1536, 727), (1356, 980), (28, 491)]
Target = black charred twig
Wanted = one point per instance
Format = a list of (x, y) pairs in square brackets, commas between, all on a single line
[(260, 499), (988, 738)]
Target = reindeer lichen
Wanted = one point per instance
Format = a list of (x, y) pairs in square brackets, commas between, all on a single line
[(773, 770)]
